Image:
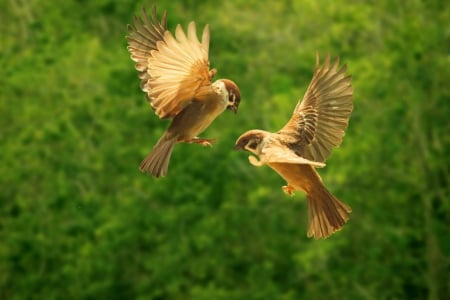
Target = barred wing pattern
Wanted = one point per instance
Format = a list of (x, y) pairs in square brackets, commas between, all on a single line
[(179, 71), (142, 40), (174, 70), (319, 121)]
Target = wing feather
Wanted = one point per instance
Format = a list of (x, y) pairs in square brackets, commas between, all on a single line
[(179, 71), (319, 121), (142, 40), (173, 69)]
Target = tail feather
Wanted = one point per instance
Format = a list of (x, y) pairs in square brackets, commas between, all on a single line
[(157, 162), (326, 213)]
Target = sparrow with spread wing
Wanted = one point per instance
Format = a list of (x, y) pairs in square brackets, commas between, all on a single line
[(175, 74), (317, 125)]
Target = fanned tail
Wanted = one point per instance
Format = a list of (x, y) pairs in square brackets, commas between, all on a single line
[(157, 162), (326, 213)]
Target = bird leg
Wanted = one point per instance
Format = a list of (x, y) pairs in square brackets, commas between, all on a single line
[(203, 142), (288, 189)]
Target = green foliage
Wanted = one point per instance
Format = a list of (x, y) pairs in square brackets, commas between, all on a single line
[(79, 221)]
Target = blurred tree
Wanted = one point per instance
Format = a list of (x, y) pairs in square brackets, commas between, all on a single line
[(78, 220)]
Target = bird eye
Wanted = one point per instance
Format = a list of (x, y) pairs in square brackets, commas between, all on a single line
[(253, 145)]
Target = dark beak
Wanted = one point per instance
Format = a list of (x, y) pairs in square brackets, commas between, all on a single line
[(238, 147), (233, 109)]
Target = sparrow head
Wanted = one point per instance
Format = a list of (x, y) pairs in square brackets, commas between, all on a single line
[(231, 93), (251, 141)]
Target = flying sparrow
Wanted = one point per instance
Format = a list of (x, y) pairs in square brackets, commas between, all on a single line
[(305, 142), (175, 74)]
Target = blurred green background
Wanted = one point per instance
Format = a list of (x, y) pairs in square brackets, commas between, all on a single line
[(79, 221)]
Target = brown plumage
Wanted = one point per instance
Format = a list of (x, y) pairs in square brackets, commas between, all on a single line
[(175, 75), (317, 125)]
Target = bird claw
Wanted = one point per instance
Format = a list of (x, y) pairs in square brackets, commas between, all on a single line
[(288, 189), (203, 142)]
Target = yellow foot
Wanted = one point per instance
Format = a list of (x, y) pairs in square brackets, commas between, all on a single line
[(288, 189), (203, 142)]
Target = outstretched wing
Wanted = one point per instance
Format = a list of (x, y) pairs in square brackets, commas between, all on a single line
[(319, 121), (179, 71), (142, 40)]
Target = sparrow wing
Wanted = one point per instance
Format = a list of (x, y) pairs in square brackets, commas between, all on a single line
[(174, 70), (179, 71), (275, 155), (142, 40), (319, 121)]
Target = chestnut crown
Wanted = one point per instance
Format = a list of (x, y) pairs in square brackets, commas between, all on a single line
[(234, 95)]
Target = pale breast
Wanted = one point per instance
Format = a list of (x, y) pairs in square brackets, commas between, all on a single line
[(300, 176), (196, 117)]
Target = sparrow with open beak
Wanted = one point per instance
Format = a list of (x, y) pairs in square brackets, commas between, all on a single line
[(317, 125), (175, 74)]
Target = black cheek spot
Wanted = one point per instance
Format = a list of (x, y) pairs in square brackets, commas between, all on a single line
[(253, 145)]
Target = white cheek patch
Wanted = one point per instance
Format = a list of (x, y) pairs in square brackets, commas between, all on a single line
[(223, 88), (224, 91), (254, 161)]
